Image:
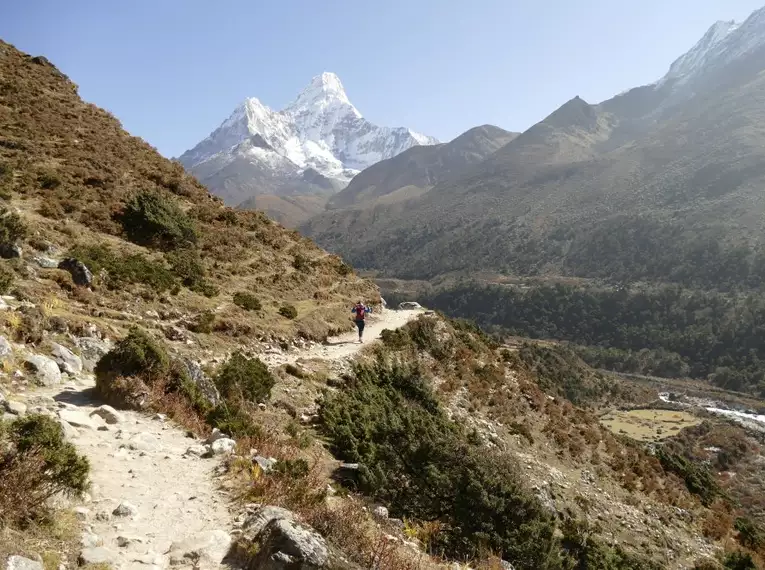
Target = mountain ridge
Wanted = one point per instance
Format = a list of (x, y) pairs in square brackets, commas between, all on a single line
[(633, 188)]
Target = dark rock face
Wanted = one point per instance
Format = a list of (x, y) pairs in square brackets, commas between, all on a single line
[(81, 275)]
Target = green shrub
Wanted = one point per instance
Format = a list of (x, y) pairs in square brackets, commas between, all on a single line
[(413, 457), (233, 420), (739, 561), (288, 311), (7, 278), (187, 266), (244, 378), (292, 468), (121, 270), (48, 180), (698, 479), (155, 220), (137, 355), (583, 551), (295, 371), (203, 323), (37, 463), (247, 301), (749, 533), (12, 227)]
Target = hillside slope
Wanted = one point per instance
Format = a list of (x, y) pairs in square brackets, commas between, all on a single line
[(421, 167), (154, 238), (661, 183)]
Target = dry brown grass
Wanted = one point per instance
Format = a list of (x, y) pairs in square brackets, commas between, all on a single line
[(54, 539)]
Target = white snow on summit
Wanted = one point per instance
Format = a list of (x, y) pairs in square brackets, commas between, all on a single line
[(320, 130), (723, 43)]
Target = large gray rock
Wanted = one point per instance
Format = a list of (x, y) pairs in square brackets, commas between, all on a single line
[(274, 540), (45, 370), (81, 275), (409, 306), (67, 361), (285, 544), (21, 563), (206, 550), (223, 446), (125, 509), (92, 349), (203, 382)]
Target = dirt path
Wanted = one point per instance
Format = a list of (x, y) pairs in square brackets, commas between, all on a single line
[(154, 502), (346, 345), (148, 493)]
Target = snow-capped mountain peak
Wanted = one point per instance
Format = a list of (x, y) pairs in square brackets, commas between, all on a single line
[(721, 44), (324, 90), (319, 130)]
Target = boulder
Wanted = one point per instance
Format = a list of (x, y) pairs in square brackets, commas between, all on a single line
[(10, 251), (70, 432), (45, 370), (67, 361), (409, 306), (202, 381), (204, 550), (143, 442), (21, 563), (281, 543), (108, 414), (81, 275), (92, 349), (174, 333)]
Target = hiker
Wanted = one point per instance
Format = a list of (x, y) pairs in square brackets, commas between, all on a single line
[(360, 311)]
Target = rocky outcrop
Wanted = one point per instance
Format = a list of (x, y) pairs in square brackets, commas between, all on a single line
[(45, 370), (80, 273), (203, 382), (280, 542), (67, 361), (21, 563)]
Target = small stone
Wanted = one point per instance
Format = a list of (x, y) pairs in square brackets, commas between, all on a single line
[(14, 407), (143, 442), (82, 513), (223, 446), (380, 512), (90, 540), (125, 541), (46, 262), (108, 414), (10, 251), (266, 464), (5, 347), (96, 555), (80, 419), (216, 435), (21, 563), (125, 509), (160, 417), (210, 547), (198, 451)]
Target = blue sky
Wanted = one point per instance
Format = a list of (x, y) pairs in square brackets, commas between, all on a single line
[(172, 70)]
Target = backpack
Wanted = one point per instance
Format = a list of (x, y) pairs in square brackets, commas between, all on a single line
[(361, 312)]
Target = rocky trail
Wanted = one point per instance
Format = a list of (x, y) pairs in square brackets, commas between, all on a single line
[(154, 502)]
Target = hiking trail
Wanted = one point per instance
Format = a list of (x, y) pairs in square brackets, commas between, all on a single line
[(154, 501)]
